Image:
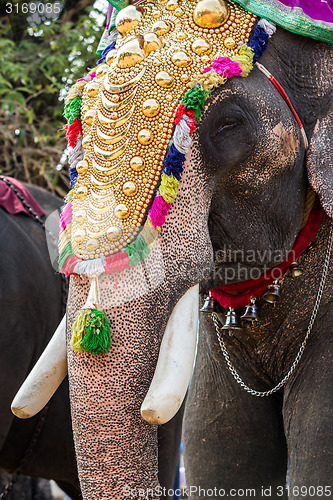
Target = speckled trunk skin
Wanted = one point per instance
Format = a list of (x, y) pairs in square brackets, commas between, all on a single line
[(115, 447)]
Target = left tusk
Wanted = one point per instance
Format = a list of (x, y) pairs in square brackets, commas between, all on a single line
[(175, 361), (45, 377)]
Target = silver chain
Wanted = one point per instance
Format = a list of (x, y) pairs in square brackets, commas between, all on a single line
[(303, 345)]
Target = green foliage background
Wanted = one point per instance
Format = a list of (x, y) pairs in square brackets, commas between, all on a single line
[(37, 64)]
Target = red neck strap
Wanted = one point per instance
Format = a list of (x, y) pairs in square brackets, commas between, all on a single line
[(238, 295)]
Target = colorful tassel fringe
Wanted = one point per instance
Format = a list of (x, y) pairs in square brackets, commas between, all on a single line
[(91, 332)]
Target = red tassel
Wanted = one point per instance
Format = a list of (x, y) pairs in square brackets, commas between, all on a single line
[(73, 131)]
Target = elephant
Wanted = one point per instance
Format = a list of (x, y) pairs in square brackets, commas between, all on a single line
[(244, 175), (31, 304), (256, 170)]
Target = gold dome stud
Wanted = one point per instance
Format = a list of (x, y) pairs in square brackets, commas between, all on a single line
[(81, 192), (205, 59), (185, 78), (127, 19), (86, 141), (152, 42), (200, 46), (92, 89), (156, 13), (121, 211), (181, 35), (150, 108), (160, 28), (88, 117), (131, 53), (101, 70), (130, 188), (113, 233), (172, 5), (110, 57), (163, 79), (82, 167), (181, 59), (210, 13), (229, 43), (137, 163), (145, 136), (92, 245), (80, 216), (179, 12), (79, 236)]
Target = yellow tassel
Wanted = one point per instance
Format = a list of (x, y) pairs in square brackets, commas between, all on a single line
[(71, 94), (149, 234), (208, 81), (65, 237), (168, 187), (78, 329), (245, 58)]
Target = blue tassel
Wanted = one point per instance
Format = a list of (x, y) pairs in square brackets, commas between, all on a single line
[(105, 52), (73, 175), (259, 42), (173, 162)]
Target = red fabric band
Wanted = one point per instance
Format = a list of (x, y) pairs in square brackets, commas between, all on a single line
[(10, 202), (238, 295)]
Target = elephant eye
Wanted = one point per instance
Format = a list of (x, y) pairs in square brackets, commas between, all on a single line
[(228, 125)]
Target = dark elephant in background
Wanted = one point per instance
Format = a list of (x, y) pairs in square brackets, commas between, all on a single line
[(250, 153), (31, 303)]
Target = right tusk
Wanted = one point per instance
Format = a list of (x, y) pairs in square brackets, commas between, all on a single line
[(175, 361), (45, 377)]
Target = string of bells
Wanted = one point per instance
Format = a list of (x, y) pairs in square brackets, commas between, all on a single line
[(233, 319)]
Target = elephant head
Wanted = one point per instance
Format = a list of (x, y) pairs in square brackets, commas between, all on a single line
[(241, 181)]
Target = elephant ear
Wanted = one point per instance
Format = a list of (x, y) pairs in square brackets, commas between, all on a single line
[(320, 162)]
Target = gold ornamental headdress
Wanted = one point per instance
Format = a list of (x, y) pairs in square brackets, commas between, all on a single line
[(130, 123)]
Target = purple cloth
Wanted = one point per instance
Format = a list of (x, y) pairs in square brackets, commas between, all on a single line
[(319, 10), (10, 202)]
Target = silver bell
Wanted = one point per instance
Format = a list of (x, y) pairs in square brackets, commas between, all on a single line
[(209, 305)]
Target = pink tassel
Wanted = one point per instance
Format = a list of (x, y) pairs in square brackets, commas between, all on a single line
[(159, 211), (226, 68)]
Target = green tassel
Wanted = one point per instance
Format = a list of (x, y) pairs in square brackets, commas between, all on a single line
[(67, 252), (72, 109), (79, 329), (103, 43), (97, 337), (137, 251), (195, 99)]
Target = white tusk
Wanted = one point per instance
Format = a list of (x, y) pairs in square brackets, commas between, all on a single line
[(175, 361), (45, 377)]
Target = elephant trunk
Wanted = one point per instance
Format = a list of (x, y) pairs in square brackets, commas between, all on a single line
[(116, 448)]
